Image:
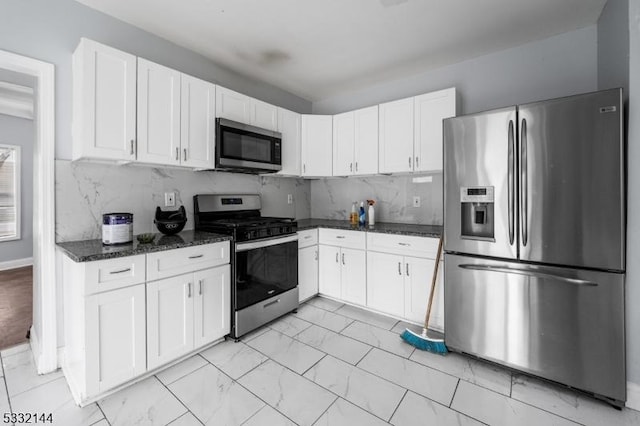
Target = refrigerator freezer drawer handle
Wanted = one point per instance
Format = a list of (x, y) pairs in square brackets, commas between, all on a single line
[(523, 181), (536, 274), (511, 183)]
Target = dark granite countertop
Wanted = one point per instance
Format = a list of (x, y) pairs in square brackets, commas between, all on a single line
[(433, 231), (90, 250)]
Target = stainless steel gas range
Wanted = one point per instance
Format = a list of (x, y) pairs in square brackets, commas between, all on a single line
[(264, 257)]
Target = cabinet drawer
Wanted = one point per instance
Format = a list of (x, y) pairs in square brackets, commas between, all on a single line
[(337, 237), (403, 245), (307, 238), (179, 261), (110, 274)]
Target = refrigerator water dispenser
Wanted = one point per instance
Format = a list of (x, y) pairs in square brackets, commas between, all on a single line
[(477, 213)]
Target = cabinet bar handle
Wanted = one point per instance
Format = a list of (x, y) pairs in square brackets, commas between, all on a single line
[(200, 287), (189, 287), (120, 271), (198, 256), (304, 168), (356, 166), (316, 255), (341, 237), (350, 167), (185, 154), (407, 268), (409, 162), (343, 258), (177, 154), (336, 257), (132, 151), (399, 268), (404, 244)]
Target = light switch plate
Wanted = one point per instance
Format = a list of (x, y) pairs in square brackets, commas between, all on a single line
[(416, 201), (289, 198)]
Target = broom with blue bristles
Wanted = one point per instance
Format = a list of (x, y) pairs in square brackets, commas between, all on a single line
[(423, 341)]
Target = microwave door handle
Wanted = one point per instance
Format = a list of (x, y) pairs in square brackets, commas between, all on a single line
[(511, 182)]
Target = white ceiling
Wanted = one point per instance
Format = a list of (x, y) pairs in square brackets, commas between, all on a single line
[(317, 49)]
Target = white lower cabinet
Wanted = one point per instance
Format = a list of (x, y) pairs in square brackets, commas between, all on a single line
[(342, 274), (385, 287), (417, 288), (119, 324), (115, 337), (186, 312), (307, 272)]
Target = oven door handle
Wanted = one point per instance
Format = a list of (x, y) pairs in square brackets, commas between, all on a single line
[(251, 245)]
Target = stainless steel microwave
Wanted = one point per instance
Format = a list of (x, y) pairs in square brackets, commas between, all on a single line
[(247, 149)]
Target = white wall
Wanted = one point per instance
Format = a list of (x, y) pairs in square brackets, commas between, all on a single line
[(21, 132), (50, 31), (562, 65)]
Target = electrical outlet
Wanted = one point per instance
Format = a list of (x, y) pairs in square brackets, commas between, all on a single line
[(169, 199), (416, 201), (289, 198)]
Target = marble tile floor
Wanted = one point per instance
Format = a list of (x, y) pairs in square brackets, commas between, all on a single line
[(328, 364)]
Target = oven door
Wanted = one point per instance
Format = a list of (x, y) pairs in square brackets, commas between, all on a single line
[(264, 269)]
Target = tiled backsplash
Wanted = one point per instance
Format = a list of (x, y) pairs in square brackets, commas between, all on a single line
[(332, 198), (84, 191)]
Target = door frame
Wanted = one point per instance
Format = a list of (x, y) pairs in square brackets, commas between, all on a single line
[(44, 329)]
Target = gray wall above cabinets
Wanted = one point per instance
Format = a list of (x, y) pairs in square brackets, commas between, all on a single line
[(51, 30), (562, 65)]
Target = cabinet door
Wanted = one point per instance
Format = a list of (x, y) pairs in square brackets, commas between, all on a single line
[(264, 115), (317, 151), (212, 310), (115, 337), (396, 136), (233, 105), (329, 280), (289, 123), (158, 113), (104, 102), (307, 272), (169, 319), (354, 276), (366, 141), (197, 127), (430, 110), (418, 274), (385, 284), (343, 144)]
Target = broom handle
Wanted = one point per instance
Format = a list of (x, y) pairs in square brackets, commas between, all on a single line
[(433, 284)]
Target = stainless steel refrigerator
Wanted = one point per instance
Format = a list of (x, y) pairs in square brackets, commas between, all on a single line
[(534, 207)]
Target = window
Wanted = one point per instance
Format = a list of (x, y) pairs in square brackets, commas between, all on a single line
[(9, 192)]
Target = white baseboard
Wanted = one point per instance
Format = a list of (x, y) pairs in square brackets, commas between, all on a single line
[(18, 263), (633, 396)]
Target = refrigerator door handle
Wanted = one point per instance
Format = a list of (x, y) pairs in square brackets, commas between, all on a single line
[(523, 182), (530, 273), (511, 183)]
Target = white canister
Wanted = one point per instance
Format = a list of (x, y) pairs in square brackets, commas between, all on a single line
[(117, 228)]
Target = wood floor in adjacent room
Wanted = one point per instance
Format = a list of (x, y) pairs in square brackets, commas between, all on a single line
[(16, 305)]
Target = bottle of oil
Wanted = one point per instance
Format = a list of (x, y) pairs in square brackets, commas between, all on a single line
[(353, 217)]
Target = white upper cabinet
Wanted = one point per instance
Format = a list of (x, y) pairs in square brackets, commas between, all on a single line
[(396, 136), (104, 102), (365, 155), (289, 124), (430, 110), (233, 105), (264, 115), (198, 129), (245, 109), (343, 143), (317, 151), (158, 113)]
